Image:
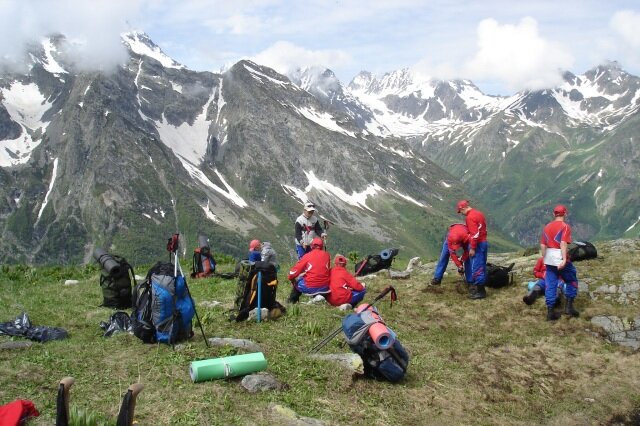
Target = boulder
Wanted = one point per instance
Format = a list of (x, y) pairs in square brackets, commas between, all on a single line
[(254, 383), (10, 345), (246, 345), (71, 282), (286, 416)]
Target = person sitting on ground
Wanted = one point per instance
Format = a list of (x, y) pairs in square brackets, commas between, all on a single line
[(307, 227), (345, 289), (255, 247), (456, 238), (268, 254), (312, 273), (538, 288)]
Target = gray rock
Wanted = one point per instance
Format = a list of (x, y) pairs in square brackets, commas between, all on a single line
[(246, 345), (350, 361), (606, 289), (209, 304), (399, 275), (15, 345), (630, 288), (413, 264), (610, 324), (287, 416), (71, 282), (261, 382)]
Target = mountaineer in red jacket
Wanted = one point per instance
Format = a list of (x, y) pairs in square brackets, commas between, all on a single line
[(345, 289), (478, 248), (538, 288), (312, 272)]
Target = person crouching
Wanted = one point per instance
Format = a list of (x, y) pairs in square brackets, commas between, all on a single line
[(312, 273), (345, 289)]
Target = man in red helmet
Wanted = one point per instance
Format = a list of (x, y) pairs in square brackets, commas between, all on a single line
[(345, 289), (555, 237), (478, 248), (312, 271)]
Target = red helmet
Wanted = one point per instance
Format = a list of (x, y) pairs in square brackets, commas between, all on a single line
[(462, 204), (254, 244), (340, 260), (317, 243), (560, 210)]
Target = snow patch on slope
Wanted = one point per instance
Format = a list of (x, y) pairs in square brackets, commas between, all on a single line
[(50, 63), (228, 192), (46, 197), (323, 119), (136, 42)]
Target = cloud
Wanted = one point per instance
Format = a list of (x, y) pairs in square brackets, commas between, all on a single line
[(517, 56), (92, 28), (284, 56), (625, 25)]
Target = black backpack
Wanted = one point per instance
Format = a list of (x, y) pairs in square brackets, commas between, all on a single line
[(162, 307), (249, 274), (116, 279), (375, 262), (499, 276), (582, 250)]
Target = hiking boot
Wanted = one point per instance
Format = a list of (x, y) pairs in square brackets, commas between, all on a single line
[(294, 297), (436, 281), (477, 292), (551, 314), (569, 310), (530, 298)]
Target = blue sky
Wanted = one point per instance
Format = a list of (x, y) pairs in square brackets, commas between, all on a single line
[(502, 46)]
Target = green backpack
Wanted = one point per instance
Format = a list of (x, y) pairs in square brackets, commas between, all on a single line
[(116, 284)]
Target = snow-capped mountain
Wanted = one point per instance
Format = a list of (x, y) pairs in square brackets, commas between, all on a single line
[(122, 159), (499, 145)]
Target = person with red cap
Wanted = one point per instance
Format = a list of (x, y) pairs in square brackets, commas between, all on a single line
[(538, 288), (478, 248), (457, 237), (555, 238), (311, 272), (345, 289), (255, 249)]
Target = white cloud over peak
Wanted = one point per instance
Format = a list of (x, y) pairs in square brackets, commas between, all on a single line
[(517, 55), (284, 56), (626, 26)]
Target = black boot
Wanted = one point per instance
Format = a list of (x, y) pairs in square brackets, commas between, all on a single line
[(436, 281), (551, 314), (569, 310), (294, 297), (530, 298), (477, 292)]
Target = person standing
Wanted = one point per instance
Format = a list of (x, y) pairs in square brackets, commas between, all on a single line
[(478, 248), (554, 240), (457, 237), (307, 227)]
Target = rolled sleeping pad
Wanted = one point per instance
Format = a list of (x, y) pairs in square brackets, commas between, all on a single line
[(107, 262), (230, 366), (203, 241), (382, 336), (385, 254)]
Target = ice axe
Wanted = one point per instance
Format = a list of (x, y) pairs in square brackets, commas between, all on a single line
[(321, 344)]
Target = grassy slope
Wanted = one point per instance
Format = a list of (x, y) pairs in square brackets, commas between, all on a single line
[(489, 362)]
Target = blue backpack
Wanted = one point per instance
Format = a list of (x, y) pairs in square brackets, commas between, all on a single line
[(382, 364), (162, 307)]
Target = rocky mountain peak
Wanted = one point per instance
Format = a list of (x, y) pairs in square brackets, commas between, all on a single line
[(139, 43)]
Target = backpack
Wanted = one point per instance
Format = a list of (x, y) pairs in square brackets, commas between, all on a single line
[(116, 278), (203, 263), (582, 250), (162, 307), (249, 273), (499, 276), (383, 364), (376, 262)]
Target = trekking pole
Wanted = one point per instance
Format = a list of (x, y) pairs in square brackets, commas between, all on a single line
[(321, 344), (62, 404), (128, 407), (259, 305), (172, 246)]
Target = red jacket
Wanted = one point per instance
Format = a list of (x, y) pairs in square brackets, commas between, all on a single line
[(477, 226), (341, 284), (540, 269), (315, 266), (457, 237)]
